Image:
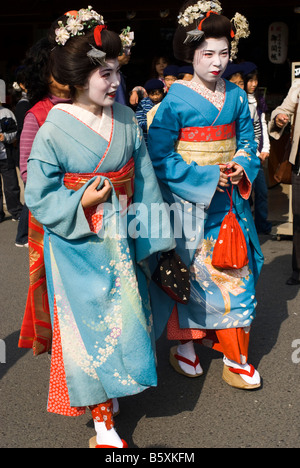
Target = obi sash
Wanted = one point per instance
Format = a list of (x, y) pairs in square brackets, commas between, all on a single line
[(36, 329), (207, 145), (122, 180)]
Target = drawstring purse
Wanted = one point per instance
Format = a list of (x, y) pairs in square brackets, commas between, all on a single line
[(230, 251), (173, 277)]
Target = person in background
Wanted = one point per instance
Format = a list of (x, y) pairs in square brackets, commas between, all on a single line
[(138, 93), (21, 109), (234, 74), (155, 92), (170, 76), (10, 188), (186, 72), (127, 38), (258, 109), (159, 63), (287, 111), (43, 92), (22, 105)]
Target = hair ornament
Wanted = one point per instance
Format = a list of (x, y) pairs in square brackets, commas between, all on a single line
[(16, 86), (77, 21), (96, 56), (97, 34), (198, 11), (202, 10), (241, 32), (193, 35), (127, 37)]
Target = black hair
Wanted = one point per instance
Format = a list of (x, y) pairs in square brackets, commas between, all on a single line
[(70, 64), (213, 26), (261, 105), (36, 72)]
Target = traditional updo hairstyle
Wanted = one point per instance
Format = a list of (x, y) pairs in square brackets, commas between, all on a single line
[(213, 26), (70, 63)]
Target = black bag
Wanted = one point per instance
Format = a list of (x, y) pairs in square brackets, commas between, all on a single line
[(173, 277)]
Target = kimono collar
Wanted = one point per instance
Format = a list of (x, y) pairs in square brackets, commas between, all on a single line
[(101, 125), (216, 97)]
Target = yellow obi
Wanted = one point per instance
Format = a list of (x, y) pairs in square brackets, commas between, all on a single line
[(207, 145)]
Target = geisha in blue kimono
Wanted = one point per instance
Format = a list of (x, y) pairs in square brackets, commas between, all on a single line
[(88, 166), (201, 130)]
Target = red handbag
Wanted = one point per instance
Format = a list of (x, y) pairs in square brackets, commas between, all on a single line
[(230, 251)]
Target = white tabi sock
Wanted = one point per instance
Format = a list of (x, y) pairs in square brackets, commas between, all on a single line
[(187, 350), (107, 436), (255, 379)]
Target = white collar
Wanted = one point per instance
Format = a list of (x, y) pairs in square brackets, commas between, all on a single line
[(101, 125)]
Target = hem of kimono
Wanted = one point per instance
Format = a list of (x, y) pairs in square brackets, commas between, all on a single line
[(234, 345), (176, 332)]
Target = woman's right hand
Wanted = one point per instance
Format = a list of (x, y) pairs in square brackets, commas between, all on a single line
[(92, 196), (223, 180)]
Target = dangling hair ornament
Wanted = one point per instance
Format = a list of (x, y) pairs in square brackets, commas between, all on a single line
[(193, 35), (242, 31), (95, 55)]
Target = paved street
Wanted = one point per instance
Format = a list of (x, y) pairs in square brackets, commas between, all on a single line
[(180, 412)]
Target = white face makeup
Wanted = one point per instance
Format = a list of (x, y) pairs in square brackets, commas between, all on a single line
[(101, 87), (210, 61)]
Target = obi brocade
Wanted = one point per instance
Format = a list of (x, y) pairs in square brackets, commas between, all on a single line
[(207, 145)]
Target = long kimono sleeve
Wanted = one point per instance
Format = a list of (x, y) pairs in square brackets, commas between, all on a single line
[(196, 184), (154, 233), (51, 203), (246, 154)]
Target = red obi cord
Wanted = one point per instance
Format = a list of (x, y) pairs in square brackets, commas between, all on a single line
[(213, 133)]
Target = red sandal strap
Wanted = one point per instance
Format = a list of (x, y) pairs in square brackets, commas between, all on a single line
[(187, 361), (242, 371)]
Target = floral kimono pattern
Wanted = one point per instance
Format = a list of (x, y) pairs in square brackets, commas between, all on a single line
[(96, 277), (193, 131)]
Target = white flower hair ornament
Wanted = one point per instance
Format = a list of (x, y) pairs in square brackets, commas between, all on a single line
[(16, 86), (202, 10), (77, 21), (242, 31), (198, 11), (127, 37)]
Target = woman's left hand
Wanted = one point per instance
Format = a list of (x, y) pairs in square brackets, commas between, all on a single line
[(235, 172)]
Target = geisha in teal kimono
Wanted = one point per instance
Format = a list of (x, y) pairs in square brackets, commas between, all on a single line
[(103, 345), (197, 131), (96, 285)]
